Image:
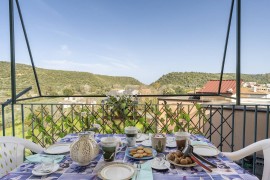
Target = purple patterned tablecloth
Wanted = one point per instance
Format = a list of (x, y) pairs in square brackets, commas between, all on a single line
[(69, 170)]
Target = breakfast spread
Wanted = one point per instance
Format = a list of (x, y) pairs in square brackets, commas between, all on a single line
[(179, 158), (140, 152)]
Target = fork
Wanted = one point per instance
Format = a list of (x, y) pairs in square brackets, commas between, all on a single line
[(136, 166), (138, 171)]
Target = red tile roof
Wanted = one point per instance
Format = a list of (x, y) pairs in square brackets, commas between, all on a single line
[(227, 87)]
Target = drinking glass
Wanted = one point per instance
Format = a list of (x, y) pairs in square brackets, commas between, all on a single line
[(160, 158), (47, 164)]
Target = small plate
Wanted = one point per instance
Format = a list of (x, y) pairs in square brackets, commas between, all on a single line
[(58, 149), (155, 165), (154, 153), (181, 165), (115, 170), (147, 143), (40, 173), (171, 144), (142, 138), (206, 150)]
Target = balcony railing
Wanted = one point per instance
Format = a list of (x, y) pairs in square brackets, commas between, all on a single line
[(229, 127)]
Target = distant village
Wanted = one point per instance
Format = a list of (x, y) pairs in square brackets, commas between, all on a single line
[(251, 93)]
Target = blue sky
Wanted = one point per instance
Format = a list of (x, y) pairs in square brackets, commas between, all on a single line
[(143, 39)]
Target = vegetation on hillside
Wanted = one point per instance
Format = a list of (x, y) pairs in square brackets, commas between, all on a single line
[(58, 82), (198, 79)]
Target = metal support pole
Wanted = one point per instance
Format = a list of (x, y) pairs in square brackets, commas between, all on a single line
[(12, 65), (3, 120), (28, 46), (12, 52), (226, 45), (238, 52)]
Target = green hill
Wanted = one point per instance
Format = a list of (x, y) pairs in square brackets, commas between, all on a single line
[(198, 79), (55, 82)]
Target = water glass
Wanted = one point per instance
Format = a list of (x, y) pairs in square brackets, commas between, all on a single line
[(160, 158), (47, 164)]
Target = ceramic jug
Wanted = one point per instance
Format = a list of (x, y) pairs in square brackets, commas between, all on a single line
[(83, 150)]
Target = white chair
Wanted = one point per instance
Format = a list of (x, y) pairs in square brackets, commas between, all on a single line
[(12, 152), (257, 146)]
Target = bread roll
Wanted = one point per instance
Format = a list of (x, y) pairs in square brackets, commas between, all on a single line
[(184, 161)]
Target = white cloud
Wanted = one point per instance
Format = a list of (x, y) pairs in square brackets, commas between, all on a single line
[(104, 68)]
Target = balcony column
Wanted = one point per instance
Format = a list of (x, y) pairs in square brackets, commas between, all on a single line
[(238, 52), (12, 63)]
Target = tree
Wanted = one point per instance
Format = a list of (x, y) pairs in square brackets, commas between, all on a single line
[(168, 90), (179, 90), (68, 92)]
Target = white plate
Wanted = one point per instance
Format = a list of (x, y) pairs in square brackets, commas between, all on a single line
[(40, 173), (116, 171), (58, 149), (205, 150), (147, 143), (155, 165), (142, 137)]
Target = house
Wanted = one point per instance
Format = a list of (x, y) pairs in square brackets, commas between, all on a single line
[(228, 89)]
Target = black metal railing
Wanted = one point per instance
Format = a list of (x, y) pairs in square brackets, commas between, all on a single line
[(229, 127)]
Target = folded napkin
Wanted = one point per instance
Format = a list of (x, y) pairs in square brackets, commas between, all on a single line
[(37, 158), (196, 143), (145, 172)]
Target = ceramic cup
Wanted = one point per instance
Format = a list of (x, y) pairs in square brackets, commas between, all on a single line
[(159, 142), (132, 133), (181, 138), (110, 146)]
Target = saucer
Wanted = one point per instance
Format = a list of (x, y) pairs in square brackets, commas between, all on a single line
[(38, 172), (155, 165), (142, 138), (147, 143)]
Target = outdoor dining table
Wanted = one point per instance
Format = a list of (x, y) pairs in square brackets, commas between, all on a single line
[(68, 170)]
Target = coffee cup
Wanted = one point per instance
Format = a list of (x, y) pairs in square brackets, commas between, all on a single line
[(182, 139), (110, 146), (132, 133)]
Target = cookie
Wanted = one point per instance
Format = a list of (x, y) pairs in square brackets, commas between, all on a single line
[(140, 151), (140, 147), (137, 155), (145, 154), (133, 150), (147, 150)]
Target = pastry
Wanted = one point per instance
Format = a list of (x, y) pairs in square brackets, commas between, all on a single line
[(179, 153), (177, 160), (171, 157), (184, 161)]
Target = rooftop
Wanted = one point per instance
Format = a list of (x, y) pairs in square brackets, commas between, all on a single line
[(227, 87)]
